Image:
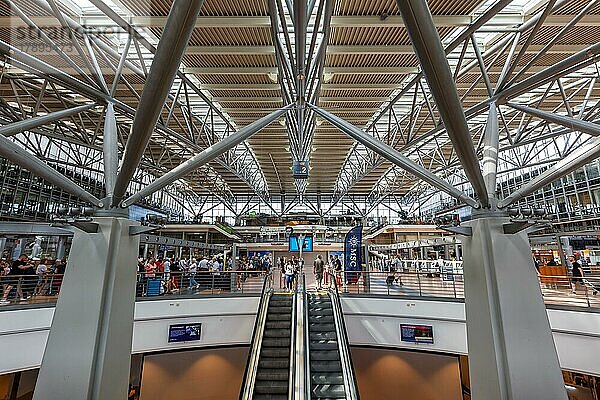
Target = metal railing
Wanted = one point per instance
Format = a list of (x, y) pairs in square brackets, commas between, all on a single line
[(556, 289), (427, 282), (257, 334), (350, 384), (33, 289)]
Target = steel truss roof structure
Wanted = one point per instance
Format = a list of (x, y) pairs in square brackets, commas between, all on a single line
[(523, 73)]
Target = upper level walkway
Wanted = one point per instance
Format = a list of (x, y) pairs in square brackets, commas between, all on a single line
[(410, 283)]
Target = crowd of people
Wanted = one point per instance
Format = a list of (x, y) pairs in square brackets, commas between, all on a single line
[(177, 274), (26, 278)]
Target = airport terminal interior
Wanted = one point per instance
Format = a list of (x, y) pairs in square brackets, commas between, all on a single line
[(300, 199)]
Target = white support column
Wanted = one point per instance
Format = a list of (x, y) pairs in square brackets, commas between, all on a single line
[(511, 349), (88, 351)]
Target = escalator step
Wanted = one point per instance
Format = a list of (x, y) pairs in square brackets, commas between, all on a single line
[(320, 311), (271, 387), (325, 345), (317, 319), (265, 374), (321, 327), (274, 363), (280, 303), (331, 355), (280, 310), (277, 352), (278, 317), (277, 333), (327, 379), (325, 366), (276, 342), (323, 336), (329, 391), (278, 324), (270, 397)]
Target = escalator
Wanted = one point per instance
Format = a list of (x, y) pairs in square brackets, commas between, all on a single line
[(299, 348), (270, 366), (331, 375), (326, 375), (273, 374)]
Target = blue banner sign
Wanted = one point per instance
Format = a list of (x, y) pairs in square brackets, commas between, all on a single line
[(353, 254)]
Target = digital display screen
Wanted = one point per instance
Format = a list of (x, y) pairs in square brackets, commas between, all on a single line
[(416, 333), (307, 245), (184, 332)]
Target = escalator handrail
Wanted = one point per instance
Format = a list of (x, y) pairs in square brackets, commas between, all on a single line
[(307, 379), (293, 333), (350, 384), (247, 391)]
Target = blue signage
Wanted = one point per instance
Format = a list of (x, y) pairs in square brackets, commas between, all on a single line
[(352, 253), (300, 170), (184, 333), (307, 245)]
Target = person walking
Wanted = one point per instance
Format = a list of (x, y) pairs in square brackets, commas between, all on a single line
[(577, 272)]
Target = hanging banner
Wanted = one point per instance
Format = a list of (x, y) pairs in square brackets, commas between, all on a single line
[(352, 253)]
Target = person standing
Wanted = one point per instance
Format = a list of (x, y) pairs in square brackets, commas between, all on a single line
[(193, 268), (318, 267), (397, 264), (289, 275), (17, 271), (337, 267), (577, 272)]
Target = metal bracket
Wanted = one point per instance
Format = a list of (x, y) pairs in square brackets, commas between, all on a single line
[(459, 230), (86, 226), (517, 226), (140, 229)]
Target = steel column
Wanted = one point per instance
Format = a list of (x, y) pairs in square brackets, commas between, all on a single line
[(88, 351), (428, 47), (394, 156), (171, 47), (207, 155), (511, 348)]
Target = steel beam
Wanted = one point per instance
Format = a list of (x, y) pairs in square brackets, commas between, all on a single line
[(20, 156), (490, 151), (583, 155), (574, 124), (207, 155), (170, 50), (580, 59), (428, 47), (110, 150), (394, 156)]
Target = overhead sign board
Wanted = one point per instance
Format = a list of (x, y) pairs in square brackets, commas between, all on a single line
[(300, 169)]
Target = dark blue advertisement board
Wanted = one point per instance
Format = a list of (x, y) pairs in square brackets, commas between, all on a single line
[(184, 332), (416, 333), (353, 254)]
